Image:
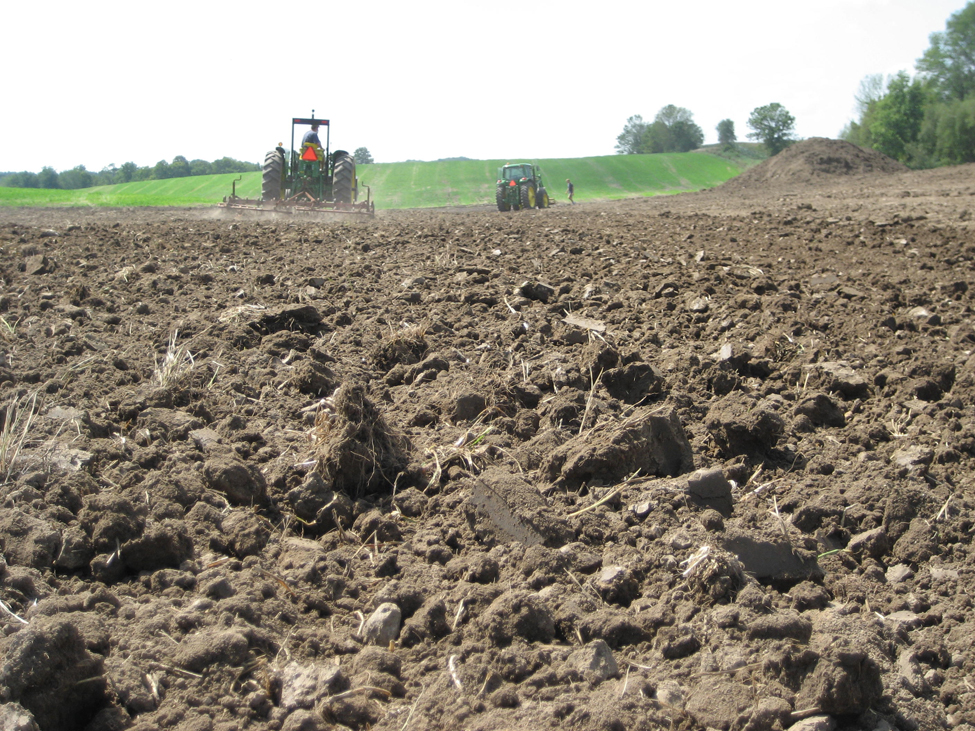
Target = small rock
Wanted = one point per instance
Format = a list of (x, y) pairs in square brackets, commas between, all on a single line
[(14, 717), (944, 574), (671, 694), (304, 685), (710, 488), (911, 674), (383, 625), (905, 618), (37, 264), (899, 574), (873, 543), (698, 304), (594, 662), (815, 723)]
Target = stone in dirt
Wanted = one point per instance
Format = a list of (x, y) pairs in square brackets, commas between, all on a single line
[(383, 625), (770, 559), (710, 488), (305, 685), (503, 507)]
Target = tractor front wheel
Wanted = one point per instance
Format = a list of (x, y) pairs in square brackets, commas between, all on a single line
[(343, 178), (527, 196), (501, 199), (271, 175)]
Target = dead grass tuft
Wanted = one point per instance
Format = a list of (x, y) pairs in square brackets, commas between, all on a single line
[(18, 419), (176, 369), (407, 346), (355, 450)]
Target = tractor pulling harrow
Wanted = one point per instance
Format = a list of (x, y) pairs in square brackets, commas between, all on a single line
[(308, 179)]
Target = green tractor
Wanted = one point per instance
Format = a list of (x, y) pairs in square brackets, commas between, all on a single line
[(520, 186), (309, 178)]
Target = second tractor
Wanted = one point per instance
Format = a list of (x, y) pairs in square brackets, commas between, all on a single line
[(520, 186)]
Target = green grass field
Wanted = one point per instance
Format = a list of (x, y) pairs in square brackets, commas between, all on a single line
[(427, 184)]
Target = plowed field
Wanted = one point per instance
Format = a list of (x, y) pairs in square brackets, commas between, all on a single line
[(690, 462)]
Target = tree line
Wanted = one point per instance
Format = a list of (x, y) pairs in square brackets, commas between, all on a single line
[(78, 177), (926, 120), (674, 130)]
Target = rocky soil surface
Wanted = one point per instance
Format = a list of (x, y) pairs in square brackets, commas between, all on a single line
[(695, 462)]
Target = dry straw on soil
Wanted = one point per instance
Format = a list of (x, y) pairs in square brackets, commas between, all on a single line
[(356, 450)]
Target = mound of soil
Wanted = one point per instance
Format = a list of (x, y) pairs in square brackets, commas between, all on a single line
[(814, 161), (698, 462)]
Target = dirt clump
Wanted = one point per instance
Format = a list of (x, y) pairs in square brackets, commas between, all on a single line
[(701, 461)]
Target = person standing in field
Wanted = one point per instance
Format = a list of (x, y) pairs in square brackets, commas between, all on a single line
[(569, 190)]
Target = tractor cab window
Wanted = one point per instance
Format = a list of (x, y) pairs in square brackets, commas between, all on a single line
[(514, 173)]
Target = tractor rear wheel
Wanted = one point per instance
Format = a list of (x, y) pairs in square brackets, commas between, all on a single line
[(501, 199), (343, 178), (527, 196), (542, 198), (271, 175)]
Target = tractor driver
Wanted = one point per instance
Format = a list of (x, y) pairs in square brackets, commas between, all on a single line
[(311, 140), (311, 136)]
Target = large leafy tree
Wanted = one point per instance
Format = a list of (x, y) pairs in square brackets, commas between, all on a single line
[(108, 175), (871, 90), (75, 179), (773, 126), (200, 167), (949, 64), (161, 170), (362, 156), (726, 133), (892, 124), (630, 140), (179, 167), (947, 135), (126, 173), (674, 130), (928, 120), (48, 178)]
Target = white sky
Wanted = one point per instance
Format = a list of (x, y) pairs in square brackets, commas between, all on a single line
[(102, 82)]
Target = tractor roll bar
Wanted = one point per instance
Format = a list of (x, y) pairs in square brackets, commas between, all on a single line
[(310, 121)]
